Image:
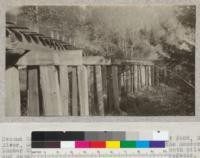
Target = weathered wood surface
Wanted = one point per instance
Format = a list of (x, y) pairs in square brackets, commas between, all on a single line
[(50, 91), (33, 107), (105, 86), (74, 93), (96, 60), (12, 102), (143, 76), (115, 88), (91, 90), (64, 89), (135, 78), (131, 62), (146, 76), (99, 89), (110, 90), (23, 78), (131, 76), (140, 76), (153, 75), (23, 83), (122, 79), (128, 79), (149, 76), (25, 45), (83, 90), (70, 57)]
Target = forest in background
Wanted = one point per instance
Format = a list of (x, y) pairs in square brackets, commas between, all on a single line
[(165, 34), (140, 31)]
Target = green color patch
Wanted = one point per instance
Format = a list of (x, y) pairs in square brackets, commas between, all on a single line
[(127, 144)]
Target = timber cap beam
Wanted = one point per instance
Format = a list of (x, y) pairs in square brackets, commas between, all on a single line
[(70, 57)]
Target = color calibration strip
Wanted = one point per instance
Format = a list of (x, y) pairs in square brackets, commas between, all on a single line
[(99, 144), (77, 140)]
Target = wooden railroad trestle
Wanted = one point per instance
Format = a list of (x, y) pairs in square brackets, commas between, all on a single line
[(69, 84)]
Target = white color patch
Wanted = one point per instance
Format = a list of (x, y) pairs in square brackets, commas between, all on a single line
[(67, 144)]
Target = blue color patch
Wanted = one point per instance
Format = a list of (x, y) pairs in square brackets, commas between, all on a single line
[(142, 144)]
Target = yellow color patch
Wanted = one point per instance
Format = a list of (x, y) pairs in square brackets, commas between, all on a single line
[(112, 144)]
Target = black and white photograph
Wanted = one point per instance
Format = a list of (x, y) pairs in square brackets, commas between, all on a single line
[(114, 60)]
